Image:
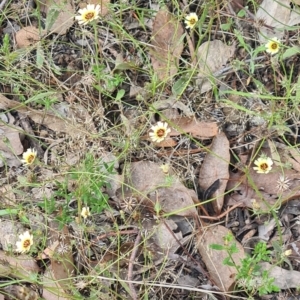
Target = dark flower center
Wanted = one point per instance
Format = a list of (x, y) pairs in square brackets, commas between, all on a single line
[(89, 16), (160, 132), (26, 243), (274, 46), (264, 166), (30, 158)]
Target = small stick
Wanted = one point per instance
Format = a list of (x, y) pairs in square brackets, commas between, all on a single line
[(130, 266), (223, 214)]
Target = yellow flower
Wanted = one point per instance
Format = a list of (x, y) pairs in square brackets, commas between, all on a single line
[(165, 168), (85, 212), (264, 165), (25, 243), (88, 14), (273, 46), (160, 132), (29, 156), (191, 20), (255, 204), (288, 252)]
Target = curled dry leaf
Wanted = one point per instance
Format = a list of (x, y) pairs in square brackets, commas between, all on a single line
[(167, 45), (216, 166), (212, 57), (222, 275), (27, 36)]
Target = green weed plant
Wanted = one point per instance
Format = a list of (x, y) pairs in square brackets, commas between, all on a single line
[(249, 274)]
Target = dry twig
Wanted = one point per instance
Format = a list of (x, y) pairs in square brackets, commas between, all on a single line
[(130, 266)]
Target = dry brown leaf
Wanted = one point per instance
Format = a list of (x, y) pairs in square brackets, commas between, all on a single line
[(266, 229), (186, 125), (175, 199), (103, 5), (162, 239), (166, 143), (160, 234), (216, 167), (114, 180), (173, 103), (144, 176), (244, 194), (7, 195), (10, 233), (9, 159), (275, 14), (202, 130), (284, 279), (212, 56), (54, 122), (268, 184), (21, 266), (147, 181), (222, 275), (10, 138), (27, 36), (52, 290), (65, 18), (295, 16), (167, 45), (294, 158), (61, 255)]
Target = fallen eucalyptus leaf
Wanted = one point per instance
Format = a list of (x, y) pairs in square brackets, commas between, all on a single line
[(222, 275), (216, 167), (212, 56), (167, 45)]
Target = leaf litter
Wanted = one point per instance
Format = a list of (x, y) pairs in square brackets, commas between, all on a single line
[(152, 202)]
